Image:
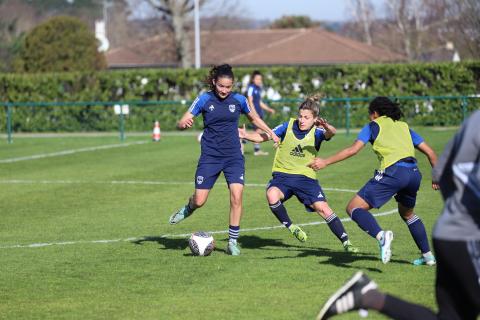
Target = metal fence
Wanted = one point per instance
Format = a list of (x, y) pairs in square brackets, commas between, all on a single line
[(345, 113)]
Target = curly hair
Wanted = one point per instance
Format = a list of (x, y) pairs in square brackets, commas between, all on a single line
[(311, 103), (385, 107), (221, 71)]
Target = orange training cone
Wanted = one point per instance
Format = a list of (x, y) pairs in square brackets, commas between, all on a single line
[(156, 132)]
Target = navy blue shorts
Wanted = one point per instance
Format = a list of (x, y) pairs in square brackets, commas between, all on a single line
[(307, 190), (399, 180), (209, 168)]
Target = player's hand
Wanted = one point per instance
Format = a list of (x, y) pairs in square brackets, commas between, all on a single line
[(242, 132), (321, 122), (435, 186), (271, 110), (318, 164), (276, 140), (184, 124)]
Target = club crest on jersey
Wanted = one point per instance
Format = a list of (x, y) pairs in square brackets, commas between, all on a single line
[(231, 108), (211, 107), (199, 180), (297, 152)]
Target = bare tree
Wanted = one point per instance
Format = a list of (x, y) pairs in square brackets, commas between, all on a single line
[(465, 15), (363, 13), (176, 14)]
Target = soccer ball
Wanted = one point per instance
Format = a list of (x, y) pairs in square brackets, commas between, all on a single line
[(201, 243)]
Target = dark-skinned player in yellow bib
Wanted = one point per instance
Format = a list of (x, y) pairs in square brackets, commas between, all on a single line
[(300, 142)]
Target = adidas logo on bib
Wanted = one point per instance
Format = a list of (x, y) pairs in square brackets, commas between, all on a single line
[(297, 152)]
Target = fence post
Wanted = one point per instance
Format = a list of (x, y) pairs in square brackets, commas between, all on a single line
[(347, 116), (9, 123), (122, 125), (464, 108)]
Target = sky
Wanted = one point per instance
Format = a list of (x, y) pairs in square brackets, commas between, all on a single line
[(326, 10)]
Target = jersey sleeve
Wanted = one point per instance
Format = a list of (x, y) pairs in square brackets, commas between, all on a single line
[(244, 107), (365, 134), (197, 105), (250, 91), (319, 137), (281, 130), (416, 138)]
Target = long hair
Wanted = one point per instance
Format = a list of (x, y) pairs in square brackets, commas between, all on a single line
[(385, 107), (311, 103), (254, 74), (224, 70)]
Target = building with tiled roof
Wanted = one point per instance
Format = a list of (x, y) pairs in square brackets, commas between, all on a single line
[(255, 47)]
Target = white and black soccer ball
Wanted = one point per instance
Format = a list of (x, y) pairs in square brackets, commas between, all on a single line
[(201, 243)]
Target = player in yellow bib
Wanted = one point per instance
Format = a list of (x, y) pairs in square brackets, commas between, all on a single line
[(397, 176), (300, 142)]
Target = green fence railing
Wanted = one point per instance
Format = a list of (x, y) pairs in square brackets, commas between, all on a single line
[(341, 112)]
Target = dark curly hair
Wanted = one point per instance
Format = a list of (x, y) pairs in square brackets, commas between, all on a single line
[(224, 70), (385, 107)]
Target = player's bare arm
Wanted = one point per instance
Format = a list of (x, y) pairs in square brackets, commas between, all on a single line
[(319, 163), (432, 158), (186, 121)]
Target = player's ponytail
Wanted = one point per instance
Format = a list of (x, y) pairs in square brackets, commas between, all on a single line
[(312, 103), (224, 70), (385, 107)]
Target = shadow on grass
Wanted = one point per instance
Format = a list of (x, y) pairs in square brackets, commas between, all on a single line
[(167, 243)]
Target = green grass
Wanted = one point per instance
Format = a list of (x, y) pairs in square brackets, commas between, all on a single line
[(75, 198)]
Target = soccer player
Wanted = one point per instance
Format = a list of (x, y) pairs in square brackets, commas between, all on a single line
[(398, 175), (254, 95), (300, 142), (456, 240), (220, 146)]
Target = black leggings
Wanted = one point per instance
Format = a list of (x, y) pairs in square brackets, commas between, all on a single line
[(457, 285)]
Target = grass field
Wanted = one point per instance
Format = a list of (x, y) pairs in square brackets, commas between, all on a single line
[(84, 235)]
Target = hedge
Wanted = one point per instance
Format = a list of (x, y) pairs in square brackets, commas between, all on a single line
[(343, 81)]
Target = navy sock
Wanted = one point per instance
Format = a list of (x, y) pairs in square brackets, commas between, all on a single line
[(417, 230), (256, 147), (280, 212), (336, 226), (233, 232), (366, 221)]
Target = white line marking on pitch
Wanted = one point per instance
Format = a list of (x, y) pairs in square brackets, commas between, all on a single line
[(68, 152), (133, 182), (181, 235)]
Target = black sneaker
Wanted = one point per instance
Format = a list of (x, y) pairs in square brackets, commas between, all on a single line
[(348, 297)]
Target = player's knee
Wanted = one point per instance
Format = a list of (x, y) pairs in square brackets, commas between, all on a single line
[(272, 196)]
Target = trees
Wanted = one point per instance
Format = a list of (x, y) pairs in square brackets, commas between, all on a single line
[(286, 22), (59, 44)]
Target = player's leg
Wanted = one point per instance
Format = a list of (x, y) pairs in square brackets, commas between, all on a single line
[(374, 194), (277, 192), (359, 292), (406, 199), (234, 171), (334, 223), (256, 147), (206, 175), (419, 235)]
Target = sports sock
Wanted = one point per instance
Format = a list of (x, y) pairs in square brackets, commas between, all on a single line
[(417, 230), (336, 226), (366, 221), (256, 147), (399, 309), (280, 212), (233, 232)]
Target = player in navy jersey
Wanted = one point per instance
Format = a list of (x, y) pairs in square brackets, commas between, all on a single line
[(397, 176), (300, 142), (220, 146), (254, 95)]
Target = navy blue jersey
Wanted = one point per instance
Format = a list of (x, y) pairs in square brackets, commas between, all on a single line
[(255, 92), (281, 130), (220, 121), (370, 132)]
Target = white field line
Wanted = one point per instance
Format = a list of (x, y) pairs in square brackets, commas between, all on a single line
[(139, 182), (179, 235), (69, 152)]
